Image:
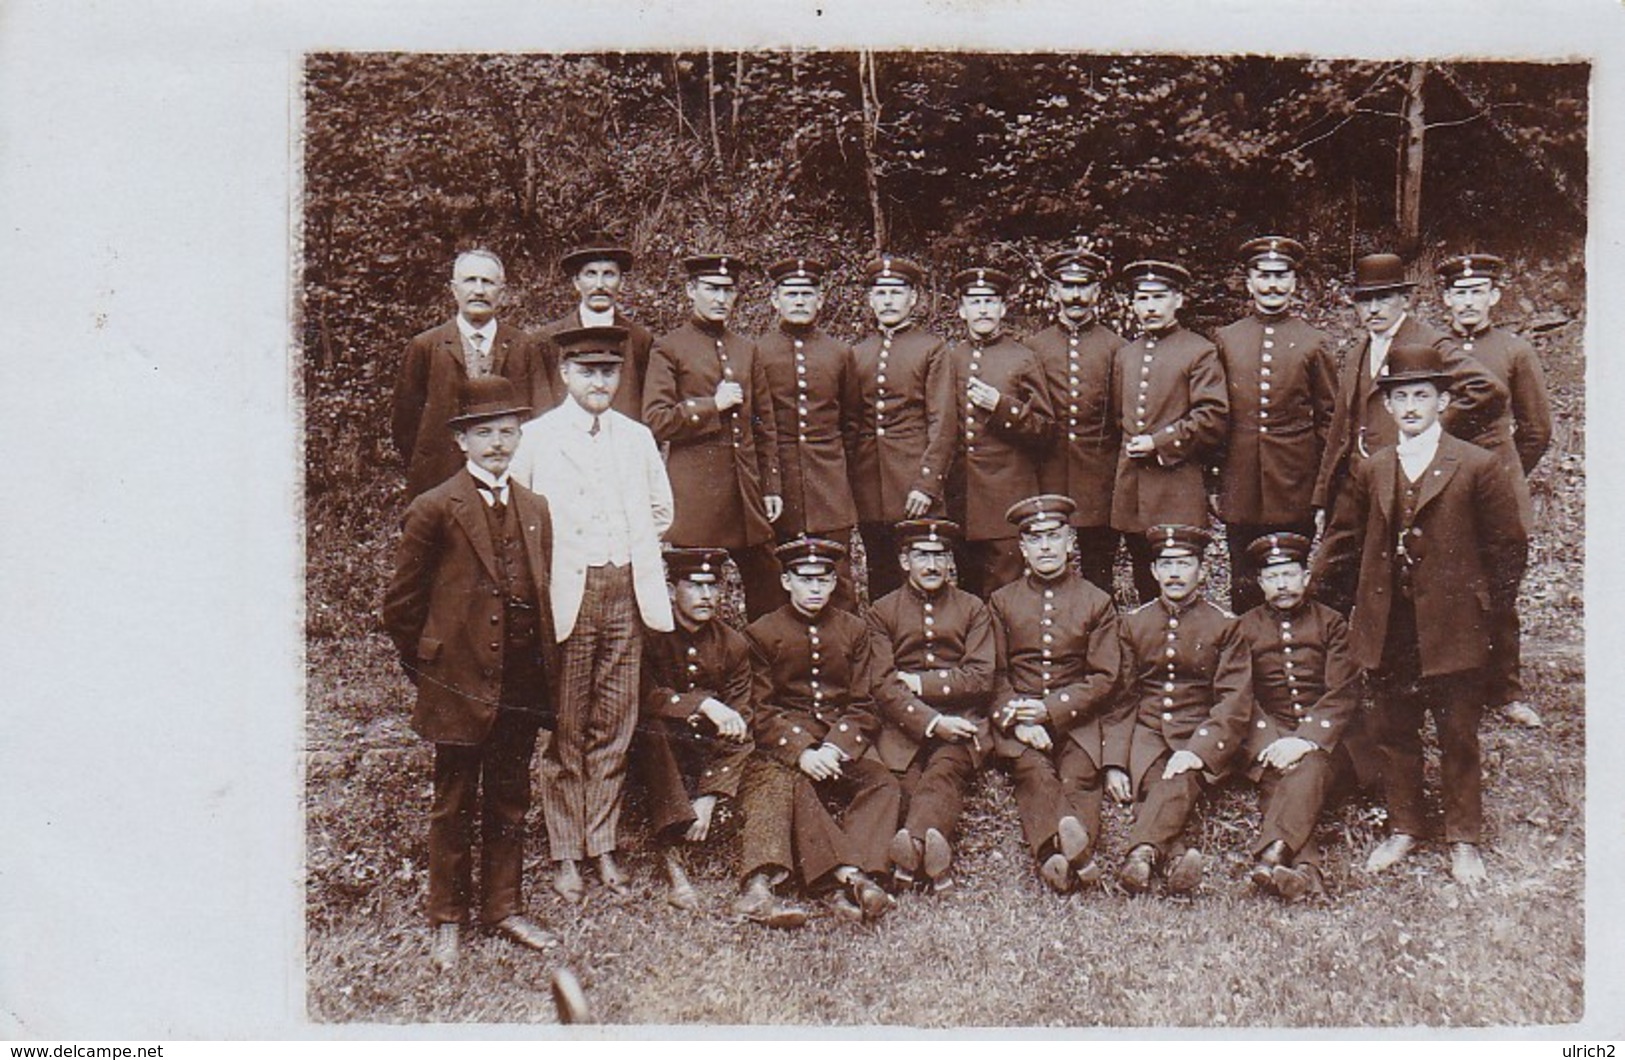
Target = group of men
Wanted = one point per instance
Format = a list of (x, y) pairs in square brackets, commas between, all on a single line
[(558, 570)]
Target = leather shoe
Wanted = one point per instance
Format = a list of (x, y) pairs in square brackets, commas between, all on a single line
[(1057, 873), (1521, 713), (682, 894), (870, 896), (939, 858), (446, 946), (1271, 857), (569, 1000), (1297, 882), (1089, 873), (905, 858), (568, 883), (1135, 875), (757, 903), (1072, 838), (527, 932), (844, 908), (1185, 874), (1391, 852), (1466, 866), (614, 879)]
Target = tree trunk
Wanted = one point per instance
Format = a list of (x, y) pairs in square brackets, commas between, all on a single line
[(868, 91), (677, 91), (711, 103), (1408, 184)]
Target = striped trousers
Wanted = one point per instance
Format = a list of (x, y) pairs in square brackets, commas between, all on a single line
[(584, 768)]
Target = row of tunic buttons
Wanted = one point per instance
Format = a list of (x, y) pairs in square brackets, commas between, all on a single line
[(1264, 380), (970, 406), (1072, 388), (801, 390), (1145, 384), (880, 388), (728, 373)]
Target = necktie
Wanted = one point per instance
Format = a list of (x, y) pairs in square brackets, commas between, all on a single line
[(481, 362), (593, 430), (496, 496)]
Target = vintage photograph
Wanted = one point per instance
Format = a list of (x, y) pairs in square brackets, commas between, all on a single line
[(943, 539)]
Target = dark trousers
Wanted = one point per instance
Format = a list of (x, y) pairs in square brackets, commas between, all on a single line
[(1503, 679), (1244, 591), (1065, 782), (1141, 552), (991, 565), (1292, 801), (933, 788), (678, 763), (1097, 555), (846, 821), (493, 779), (1456, 701), (880, 549), (759, 575), (1164, 807)]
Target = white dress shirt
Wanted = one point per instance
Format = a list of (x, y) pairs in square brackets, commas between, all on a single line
[(1380, 341), (1415, 454)]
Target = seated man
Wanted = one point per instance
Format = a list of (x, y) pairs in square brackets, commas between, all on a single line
[(812, 683), (693, 743), (1055, 636), (1188, 685), (933, 647), (1306, 693)]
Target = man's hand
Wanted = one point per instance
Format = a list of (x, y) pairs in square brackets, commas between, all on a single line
[(821, 763), (729, 394), (1182, 762), (1024, 712), (953, 728), (774, 505), (1320, 521), (1139, 445), (982, 395), (704, 807), (1213, 505), (911, 681), (1034, 736), (1117, 785), (916, 504), (729, 722), (1284, 753)]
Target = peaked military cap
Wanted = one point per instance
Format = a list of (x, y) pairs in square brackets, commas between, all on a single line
[(695, 564), (810, 555), (1038, 514), (891, 269), (804, 271), (1272, 252), (713, 267), (1471, 270), (1151, 275), (1077, 265), (1174, 539), (599, 344), (996, 281), (1268, 549), (912, 533)]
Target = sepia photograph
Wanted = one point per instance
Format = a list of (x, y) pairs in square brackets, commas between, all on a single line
[(907, 345)]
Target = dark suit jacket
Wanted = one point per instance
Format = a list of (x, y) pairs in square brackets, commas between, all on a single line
[(428, 389), (1474, 554), (444, 608), (629, 397)]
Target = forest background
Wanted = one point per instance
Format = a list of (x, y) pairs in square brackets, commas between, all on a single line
[(952, 159)]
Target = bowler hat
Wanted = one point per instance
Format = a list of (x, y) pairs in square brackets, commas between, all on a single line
[(572, 262), (1414, 363), (1379, 274), (599, 344), (487, 397)]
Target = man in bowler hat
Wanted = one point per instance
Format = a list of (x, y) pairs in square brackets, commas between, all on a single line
[(597, 272)]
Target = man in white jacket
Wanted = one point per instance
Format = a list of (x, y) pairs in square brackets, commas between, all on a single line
[(601, 472)]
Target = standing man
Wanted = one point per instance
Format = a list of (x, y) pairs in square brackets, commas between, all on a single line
[(694, 743), (472, 345), (1006, 425), (933, 650), (1077, 353), (907, 430), (602, 473), (1282, 385), (813, 383), (1306, 694), (1059, 666), (597, 273), (1171, 407), (707, 396), (1432, 527), (473, 564), (1519, 437), (813, 686), (1361, 425), (1189, 690)]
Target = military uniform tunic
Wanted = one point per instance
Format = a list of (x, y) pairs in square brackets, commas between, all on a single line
[(813, 382), (1082, 463), (999, 449), (907, 426)]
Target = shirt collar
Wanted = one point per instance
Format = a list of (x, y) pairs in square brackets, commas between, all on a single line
[(579, 418), (487, 330), (482, 475), (1426, 442), (592, 319)]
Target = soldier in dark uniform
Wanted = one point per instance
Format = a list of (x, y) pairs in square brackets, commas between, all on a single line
[(1171, 407), (1188, 685), (1519, 437), (694, 744), (1077, 353), (597, 273), (1006, 424), (1059, 666), (1432, 527), (706, 395), (817, 402), (1360, 425), (1283, 390), (812, 682), (908, 428), (933, 650), (1306, 695)]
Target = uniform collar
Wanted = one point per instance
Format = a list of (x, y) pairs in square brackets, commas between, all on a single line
[(1179, 610), (708, 327), (892, 333)]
